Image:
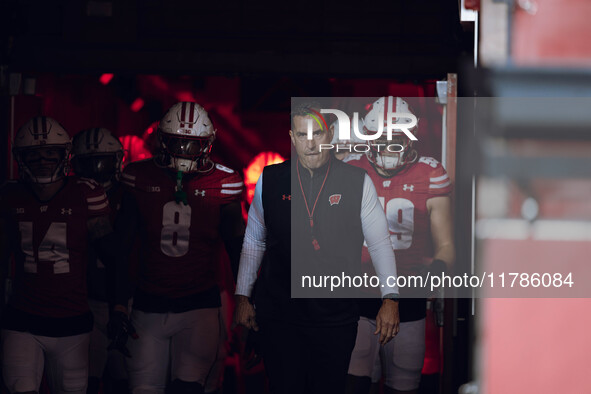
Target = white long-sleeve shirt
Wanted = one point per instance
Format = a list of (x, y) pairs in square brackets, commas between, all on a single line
[(375, 231)]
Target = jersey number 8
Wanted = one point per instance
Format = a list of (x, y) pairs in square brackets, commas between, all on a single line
[(174, 237)]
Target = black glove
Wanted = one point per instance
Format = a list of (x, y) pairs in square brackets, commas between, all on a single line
[(439, 311), (119, 330), (436, 268)]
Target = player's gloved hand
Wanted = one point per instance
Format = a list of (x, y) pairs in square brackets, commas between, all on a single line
[(119, 329), (436, 268)]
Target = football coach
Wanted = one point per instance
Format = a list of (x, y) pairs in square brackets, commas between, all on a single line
[(310, 216)]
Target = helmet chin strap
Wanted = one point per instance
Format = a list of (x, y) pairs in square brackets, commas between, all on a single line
[(389, 168), (389, 162), (183, 165), (208, 167), (43, 180), (45, 191), (192, 166)]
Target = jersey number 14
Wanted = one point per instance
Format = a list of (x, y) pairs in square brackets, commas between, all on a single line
[(52, 248)]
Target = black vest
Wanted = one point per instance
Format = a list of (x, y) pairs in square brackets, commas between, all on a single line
[(291, 252)]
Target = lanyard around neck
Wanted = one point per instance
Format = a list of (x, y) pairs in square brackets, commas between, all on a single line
[(311, 213)]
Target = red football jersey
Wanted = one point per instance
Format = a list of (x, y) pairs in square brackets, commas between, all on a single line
[(51, 257), (179, 242), (404, 198)]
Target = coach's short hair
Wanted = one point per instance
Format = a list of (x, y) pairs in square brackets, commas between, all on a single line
[(304, 108)]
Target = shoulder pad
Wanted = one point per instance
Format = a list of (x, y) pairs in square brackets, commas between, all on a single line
[(91, 183), (433, 163), (224, 168), (353, 157)]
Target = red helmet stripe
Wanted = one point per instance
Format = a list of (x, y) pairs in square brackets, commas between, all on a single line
[(183, 112), (191, 112), (183, 109)]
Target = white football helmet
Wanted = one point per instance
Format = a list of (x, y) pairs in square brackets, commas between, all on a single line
[(388, 154), (186, 135), (97, 154), (42, 149)]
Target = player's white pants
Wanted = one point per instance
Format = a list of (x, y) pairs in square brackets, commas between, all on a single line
[(65, 359), (99, 342), (400, 360), (190, 339)]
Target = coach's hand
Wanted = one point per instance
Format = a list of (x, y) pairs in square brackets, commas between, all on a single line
[(387, 321), (119, 329), (244, 313)]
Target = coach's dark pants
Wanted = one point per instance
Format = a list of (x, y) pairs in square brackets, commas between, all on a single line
[(302, 359)]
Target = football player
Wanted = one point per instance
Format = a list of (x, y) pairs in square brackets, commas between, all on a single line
[(48, 220), (97, 154), (415, 192), (182, 203)]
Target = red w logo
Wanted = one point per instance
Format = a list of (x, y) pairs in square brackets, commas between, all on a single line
[(334, 199)]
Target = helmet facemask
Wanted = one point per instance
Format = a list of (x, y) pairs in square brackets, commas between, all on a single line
[(186, 153), (97, 154), (391, 155), (43, 164), (102, 167), (42, 150)]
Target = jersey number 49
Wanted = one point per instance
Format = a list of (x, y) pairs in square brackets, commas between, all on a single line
[(400, 216)]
